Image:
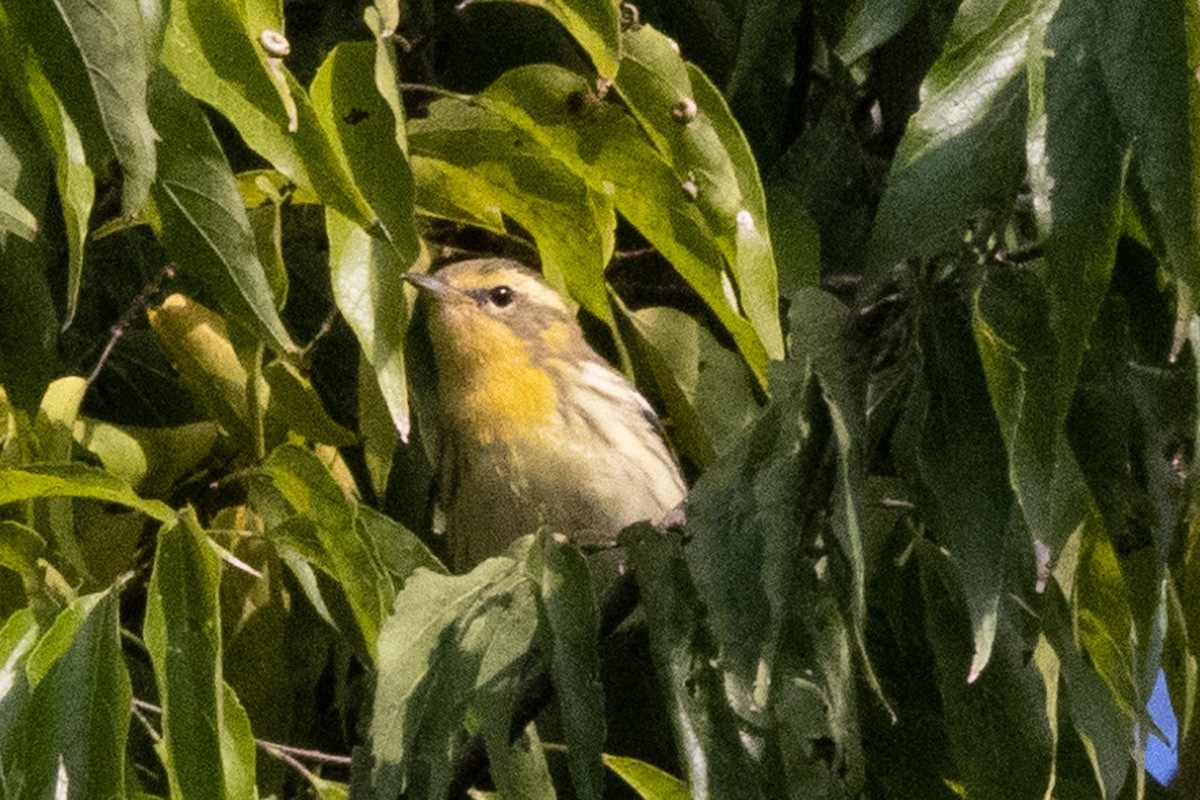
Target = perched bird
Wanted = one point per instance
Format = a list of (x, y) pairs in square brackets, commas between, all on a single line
[(535, 429)]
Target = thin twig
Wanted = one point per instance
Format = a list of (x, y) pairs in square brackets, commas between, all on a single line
[(284, 752), (137, 713), (126, 319)]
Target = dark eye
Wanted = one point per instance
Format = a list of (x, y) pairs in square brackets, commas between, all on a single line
[(501, 296)]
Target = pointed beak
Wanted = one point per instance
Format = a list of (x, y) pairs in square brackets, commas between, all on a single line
[(430, 284)]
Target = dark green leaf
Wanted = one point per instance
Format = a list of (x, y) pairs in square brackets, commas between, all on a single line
[(1001, 710), (706, 728), (957, 435), (874, 22), (28, 322), (572, 624), (594, 24), (76, 185), (1143, 52), (430, 659), (962, 150)]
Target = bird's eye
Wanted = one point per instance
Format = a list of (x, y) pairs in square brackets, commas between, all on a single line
[(501, 296)]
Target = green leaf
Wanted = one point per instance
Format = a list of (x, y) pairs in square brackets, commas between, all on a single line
[(962, 150), (205, 732), (75, 480), (1143, 53), (690, 124), (1002, 709), (204, 224), (1018, 350), (365, 272), (354, 94), (296, 405), (314, 495), (77, 718), (650, 782), (76, 184), (872, 23), (355, 99), (82, 48), (601, 143), (220, 61), (18, 636), (28, 321), (1104, 728), (685, 656), (572, 223), (1076, 183), (431, 651), (594, 24), (572, 622), (400, 550), (949, 431), (16, 218)]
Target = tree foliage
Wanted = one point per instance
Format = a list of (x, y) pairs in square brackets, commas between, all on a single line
[(911, 283)]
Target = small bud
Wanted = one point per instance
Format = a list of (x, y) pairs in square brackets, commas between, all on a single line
[(689, 188), (684, 110), (275, 43)]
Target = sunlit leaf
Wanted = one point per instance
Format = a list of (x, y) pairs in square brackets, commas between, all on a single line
[(204, 224)]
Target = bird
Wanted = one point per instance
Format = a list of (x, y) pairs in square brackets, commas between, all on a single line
[(535, 429)]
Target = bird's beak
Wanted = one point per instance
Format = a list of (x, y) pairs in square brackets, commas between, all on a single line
[(430, 284)]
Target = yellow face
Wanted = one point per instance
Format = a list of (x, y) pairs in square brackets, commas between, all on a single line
[(494, 327)]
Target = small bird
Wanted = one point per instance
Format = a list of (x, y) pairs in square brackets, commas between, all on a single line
[(535, 429)]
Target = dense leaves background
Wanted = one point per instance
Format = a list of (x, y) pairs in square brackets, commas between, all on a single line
[(912, 284)]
